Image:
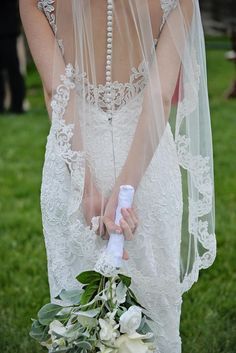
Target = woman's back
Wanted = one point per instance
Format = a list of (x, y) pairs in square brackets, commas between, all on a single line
[(90, 41)]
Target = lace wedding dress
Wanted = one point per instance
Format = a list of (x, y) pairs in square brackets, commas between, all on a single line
[(154, 263)]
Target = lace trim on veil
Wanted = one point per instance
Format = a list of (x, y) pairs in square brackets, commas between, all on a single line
[(198, 168)]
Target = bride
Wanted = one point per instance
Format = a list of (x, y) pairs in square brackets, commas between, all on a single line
[(126, 91)]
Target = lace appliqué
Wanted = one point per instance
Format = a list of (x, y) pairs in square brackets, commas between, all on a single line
[(199, 171), (47, 7), (61, 201), (75, 160), (121, 93)]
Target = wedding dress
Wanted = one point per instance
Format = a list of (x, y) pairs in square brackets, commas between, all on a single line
[(155, 253)]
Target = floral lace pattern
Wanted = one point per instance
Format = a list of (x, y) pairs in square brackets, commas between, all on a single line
[(47, 6), (121, 93), (73, 247), (199, 172)]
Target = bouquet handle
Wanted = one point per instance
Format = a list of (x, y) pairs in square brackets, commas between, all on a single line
[(115, 245)]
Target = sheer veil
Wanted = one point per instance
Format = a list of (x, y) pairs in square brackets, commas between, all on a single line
[(155, 49)]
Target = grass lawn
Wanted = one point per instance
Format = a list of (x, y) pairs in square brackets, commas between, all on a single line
[(209, 309)]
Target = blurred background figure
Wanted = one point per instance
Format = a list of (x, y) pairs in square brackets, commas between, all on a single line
[(12, 86), (231, 55), (219, 17)]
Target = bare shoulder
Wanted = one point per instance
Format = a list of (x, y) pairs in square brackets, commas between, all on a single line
[(28, 3)]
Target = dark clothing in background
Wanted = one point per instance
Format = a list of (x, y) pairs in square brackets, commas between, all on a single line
[(9, 62), (9, 18), (223, 11)]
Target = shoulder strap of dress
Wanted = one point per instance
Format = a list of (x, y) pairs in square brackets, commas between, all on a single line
[(167, 6), (48, 8)]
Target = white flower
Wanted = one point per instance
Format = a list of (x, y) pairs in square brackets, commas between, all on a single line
[(125, 344), (108, 332), (131, 320)]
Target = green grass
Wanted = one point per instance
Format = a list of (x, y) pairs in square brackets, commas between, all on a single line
[(209, 309)]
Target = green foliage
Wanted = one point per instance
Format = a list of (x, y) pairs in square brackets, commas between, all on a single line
[(47, 313), (75, 327), (89, 293), (125, 279), (71, 296), (39, 332), (88, 277), (208, 313)]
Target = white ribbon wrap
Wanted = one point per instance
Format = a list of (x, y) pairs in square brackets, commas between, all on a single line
[(115, 245), (111, 259)]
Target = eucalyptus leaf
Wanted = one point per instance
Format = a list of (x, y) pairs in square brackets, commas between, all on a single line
[(63, 350), (48, 312), (73, 332), (88, 277), (87, 318), (39, 332), (64, 314), (87, 322), (121, 310), (72, 296), (84, 345), (89, 313)]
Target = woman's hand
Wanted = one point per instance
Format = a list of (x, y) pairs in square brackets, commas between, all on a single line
[(93, 203), (128, 222)]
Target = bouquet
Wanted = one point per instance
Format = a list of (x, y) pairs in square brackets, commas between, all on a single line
[(104, 315)]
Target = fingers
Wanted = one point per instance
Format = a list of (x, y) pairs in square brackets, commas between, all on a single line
[(102, 229), (128, 224), (107, 226), (125, 255), (110, 226), (133, 215), (130, 217), (128, 234)]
